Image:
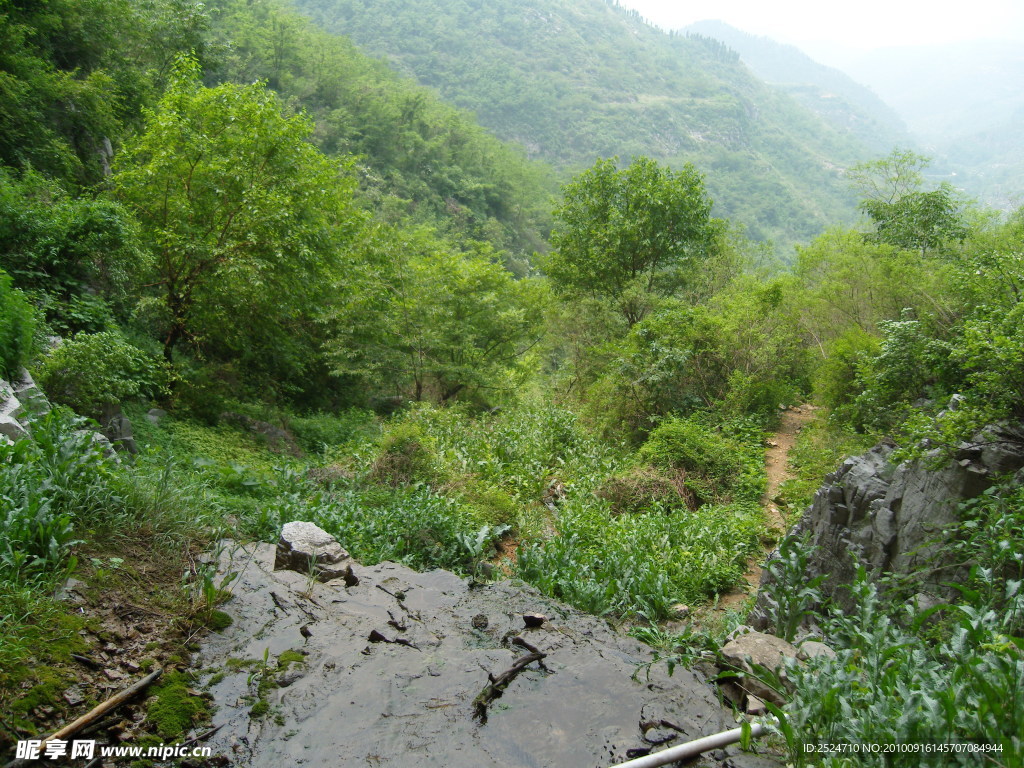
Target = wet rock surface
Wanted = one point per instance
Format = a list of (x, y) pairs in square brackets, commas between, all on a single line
[(393, 667)]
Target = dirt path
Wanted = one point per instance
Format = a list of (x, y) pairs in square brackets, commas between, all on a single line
[(777, 469)]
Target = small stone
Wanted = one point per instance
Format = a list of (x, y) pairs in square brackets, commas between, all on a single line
[(534, 619), (754, 705), (812, 649), (11, 428), (480, 621), (679, 610), (289, 677), (73, 696), (758, 648), (113, 674)]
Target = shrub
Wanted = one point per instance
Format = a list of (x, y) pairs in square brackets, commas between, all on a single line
[(317, 432), (646, 489), (713, 464), (17, 325), (836, 378), (95, 369), (406, 456)]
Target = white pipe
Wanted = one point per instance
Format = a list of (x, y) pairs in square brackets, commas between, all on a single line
[(691, 748)]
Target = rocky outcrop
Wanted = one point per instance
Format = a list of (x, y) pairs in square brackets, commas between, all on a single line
[(118, 429), (278, 440), (19, 399), (11, 428), (892, 516), (393, 665)]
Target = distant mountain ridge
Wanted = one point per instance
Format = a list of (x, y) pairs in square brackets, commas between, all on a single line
[(966, 103), (828, 92), (573, 80)]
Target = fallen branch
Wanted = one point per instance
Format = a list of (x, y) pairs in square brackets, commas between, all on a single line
[(95, 713), (202, 736), (497, 685), (531, 648)]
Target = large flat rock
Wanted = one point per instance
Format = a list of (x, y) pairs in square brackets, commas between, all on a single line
[(356, 702)]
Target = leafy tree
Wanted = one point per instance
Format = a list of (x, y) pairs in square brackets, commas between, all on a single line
[(847, 282), (428, 321), (630, 235), (904, 215), (244, 217), (17, 324)]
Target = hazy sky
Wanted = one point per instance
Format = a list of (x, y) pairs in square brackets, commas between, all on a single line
[(857, 24)]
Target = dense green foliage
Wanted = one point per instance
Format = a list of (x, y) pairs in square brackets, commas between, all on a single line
[(298, 231), (17, 323), (239, 212), (912, 680), (433, 322), (631, 235), (91, 370)]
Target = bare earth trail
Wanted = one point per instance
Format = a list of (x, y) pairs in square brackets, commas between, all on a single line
[(776, 462)]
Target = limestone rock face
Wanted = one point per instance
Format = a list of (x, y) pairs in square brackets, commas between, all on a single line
[(305, 547), (891, 516), (30, 394)]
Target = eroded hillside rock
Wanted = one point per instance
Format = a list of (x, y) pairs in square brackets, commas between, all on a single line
[(391, 667), (10, 408), (892, 516)]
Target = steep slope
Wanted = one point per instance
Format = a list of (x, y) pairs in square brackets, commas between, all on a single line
[(831, 94), (573, 80), (421, 159)]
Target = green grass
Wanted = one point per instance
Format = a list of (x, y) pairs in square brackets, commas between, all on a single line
[(642, 564)]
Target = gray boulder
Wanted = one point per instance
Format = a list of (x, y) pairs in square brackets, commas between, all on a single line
[(307, 548), (118, 429), (30, 395), (746, 651), (10, 409)]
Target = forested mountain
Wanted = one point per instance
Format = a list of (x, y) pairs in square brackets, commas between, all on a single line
[(78, 76), (250, 276), (573, 80), (833, 95)]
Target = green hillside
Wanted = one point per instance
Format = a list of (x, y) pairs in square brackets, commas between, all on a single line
[(573, 80), (845, 104)]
